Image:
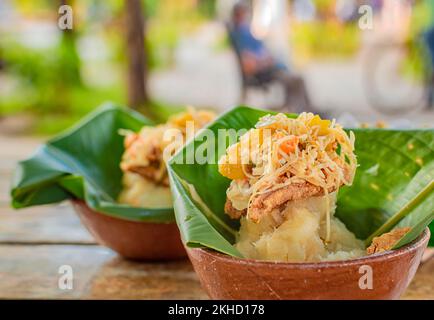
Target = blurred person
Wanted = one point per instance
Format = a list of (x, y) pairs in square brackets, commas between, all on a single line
[(258, 63)]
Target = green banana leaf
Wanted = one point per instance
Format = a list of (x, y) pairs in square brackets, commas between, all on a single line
[(83, 163), (393, 185)]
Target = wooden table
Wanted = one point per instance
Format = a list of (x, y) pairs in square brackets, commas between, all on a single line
[(36, 242)]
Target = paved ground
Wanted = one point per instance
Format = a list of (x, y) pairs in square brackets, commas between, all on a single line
[(35, 242)]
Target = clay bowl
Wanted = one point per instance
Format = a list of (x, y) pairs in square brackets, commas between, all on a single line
[(131, 239), (226, 277)]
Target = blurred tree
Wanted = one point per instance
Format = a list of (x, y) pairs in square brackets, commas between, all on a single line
[(74, 71), (137, 63), (168, 21)]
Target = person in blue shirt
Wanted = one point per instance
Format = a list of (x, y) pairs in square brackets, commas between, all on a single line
[(258, 63)]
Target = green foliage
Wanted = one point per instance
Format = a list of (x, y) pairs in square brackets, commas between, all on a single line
[(168, 22), (416, 63), (381, 199), (47, 82), (48, 74), (324, 39), (83, 100), (207, 8)]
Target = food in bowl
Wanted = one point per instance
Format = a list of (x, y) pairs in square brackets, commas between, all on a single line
[(82, 165), (285, 174), (386, 203), (145, 180)]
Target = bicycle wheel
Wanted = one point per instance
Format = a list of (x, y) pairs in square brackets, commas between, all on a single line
[(396, 78)]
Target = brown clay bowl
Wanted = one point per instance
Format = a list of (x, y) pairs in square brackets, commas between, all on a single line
[(131, 239), (226, 277)]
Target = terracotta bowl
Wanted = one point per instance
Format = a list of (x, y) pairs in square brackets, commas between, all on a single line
[(131, 239), (225, 277)]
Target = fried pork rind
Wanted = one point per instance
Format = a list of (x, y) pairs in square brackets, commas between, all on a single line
[(286, 160), (144, 154), (387, 240), (267, 202)]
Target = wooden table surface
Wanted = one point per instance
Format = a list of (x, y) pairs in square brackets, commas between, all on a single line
[(35, 242)]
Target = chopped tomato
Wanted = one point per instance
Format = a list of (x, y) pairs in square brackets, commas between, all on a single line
[(290, 145)]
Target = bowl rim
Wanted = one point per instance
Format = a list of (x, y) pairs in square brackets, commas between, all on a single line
[(82, 202), (376, 257)]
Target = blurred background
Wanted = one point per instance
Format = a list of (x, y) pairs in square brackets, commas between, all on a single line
[(366, 63)]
